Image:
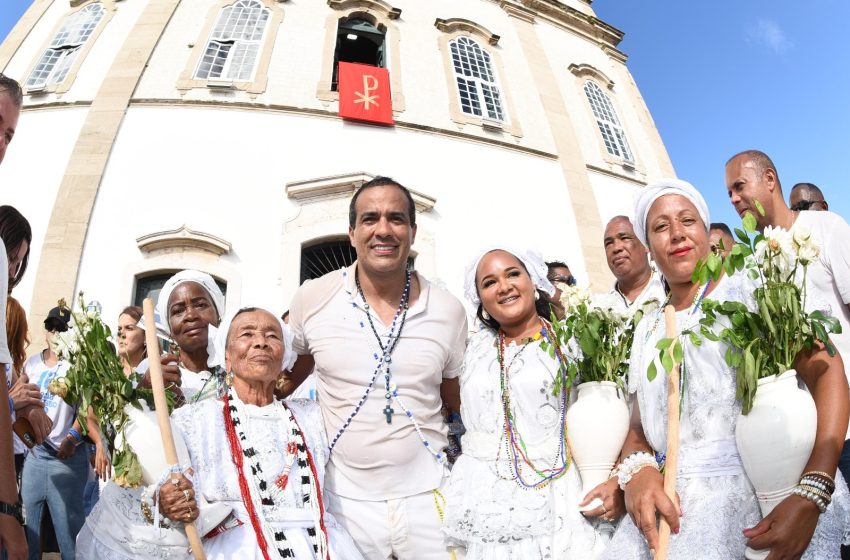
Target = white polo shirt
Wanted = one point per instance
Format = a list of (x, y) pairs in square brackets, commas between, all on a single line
[(829, 277), (374, 460)]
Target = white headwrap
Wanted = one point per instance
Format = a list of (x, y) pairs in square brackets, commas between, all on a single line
[(655, 190), (205, 280), (216, 356), (532, 260)]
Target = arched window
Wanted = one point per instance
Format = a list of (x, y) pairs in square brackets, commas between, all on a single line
[(63, 49), (234, 44), (609, 125), (321, 258), (357, 40), (476, 80)]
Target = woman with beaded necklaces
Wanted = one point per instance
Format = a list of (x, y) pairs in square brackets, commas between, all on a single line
[(717, 514), (119, 528), (514, 493), (261, 456)]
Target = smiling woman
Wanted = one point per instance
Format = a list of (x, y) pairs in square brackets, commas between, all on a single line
[(514, 491)]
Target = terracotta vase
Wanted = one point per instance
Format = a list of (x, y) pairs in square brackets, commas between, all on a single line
[(143, 436), (775, 441), (598, 423)]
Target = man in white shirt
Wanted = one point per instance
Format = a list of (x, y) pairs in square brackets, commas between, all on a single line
[(387, 348), (751, 176), (637, 283)]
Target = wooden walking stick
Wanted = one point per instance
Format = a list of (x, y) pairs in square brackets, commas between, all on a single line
[(161, 405), (671, 464)]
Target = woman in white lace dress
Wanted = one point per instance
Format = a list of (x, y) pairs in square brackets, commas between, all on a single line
[(261, 456), (718, 514), (513, 493), (191, 305)]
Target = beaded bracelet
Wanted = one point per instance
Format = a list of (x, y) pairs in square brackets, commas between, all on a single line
[(818, 483), (811, 496), (632, 464), (817, 492), (819, 480)]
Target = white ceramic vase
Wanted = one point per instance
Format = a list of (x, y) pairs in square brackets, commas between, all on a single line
[(775, 441), (143, 436), (598, 423)]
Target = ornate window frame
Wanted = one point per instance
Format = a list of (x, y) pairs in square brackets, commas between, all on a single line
[(380, 14), (259, 83), (179, 249), (585, 73), (71, 75), (451, 30)]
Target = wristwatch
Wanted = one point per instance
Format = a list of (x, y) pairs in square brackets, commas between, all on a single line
[(12, 509)]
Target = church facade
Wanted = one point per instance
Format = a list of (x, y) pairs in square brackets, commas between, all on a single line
[(158, 135)]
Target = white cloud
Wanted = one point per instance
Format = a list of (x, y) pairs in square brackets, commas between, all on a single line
[(768, 34)]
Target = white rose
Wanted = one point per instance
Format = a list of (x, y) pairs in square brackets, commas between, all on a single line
[(808, 253), (573, 296), (801, 235)]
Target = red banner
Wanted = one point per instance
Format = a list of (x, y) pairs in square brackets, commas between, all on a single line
[(364, 93)]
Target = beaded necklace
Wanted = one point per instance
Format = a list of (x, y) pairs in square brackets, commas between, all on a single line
[(383, 360), (256, 492), (392, 389), (391, 340), (514, 444)]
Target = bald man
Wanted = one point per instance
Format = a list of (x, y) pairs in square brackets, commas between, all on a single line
[(751, 176), (807, 196), (628, 260)]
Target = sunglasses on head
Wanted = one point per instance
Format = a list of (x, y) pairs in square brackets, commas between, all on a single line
[(805, 205)]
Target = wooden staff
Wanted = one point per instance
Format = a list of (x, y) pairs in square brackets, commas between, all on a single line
[(671, 465), (161, 405)]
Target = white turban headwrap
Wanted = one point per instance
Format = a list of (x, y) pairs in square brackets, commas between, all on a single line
[(655, 190), (205, 280), (532, 260), (216, 357)]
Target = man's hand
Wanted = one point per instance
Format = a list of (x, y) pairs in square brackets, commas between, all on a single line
[(613, 501), (787, 530), (170, 373), (101, 463), (12, 539), (25, 394), (644, 498), (40, 422)]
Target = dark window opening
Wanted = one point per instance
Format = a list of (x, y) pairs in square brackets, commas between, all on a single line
[(150, 286), (322, 258), (358, 41)]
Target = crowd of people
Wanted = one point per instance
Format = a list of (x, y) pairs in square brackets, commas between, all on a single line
[(363, 470)]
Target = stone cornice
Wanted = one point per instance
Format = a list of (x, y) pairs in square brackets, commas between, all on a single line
[(338, 186), (582, 70), (452, 25), (607, 36), (183, 238), (373, 5)]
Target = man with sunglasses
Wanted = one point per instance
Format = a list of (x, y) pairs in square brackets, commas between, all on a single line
[(751, 177), (807, 196), (559, 274)]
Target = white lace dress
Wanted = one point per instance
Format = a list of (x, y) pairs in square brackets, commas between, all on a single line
[(717, 499), (487, 512), (116, 529), (202, 428)]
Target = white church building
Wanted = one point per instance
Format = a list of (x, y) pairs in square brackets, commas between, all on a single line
[(158, 135)]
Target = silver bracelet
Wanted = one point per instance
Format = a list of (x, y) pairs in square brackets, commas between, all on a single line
[(632, 464)]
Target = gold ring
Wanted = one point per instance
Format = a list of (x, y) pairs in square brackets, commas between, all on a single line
[(175, 482), (186, 495)]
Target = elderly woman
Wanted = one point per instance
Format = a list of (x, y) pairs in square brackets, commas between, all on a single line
[(721, 513), (191, 305), (261, 456), (514, 492)]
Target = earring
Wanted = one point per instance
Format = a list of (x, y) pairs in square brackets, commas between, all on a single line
[(485, 314), (536, 295), (229, 378)]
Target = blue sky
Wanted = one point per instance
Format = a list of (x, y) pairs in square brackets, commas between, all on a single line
[(729, 75)]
